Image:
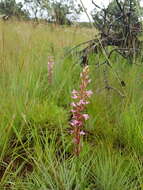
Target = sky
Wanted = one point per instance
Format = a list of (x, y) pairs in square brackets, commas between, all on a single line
[(89, 6)]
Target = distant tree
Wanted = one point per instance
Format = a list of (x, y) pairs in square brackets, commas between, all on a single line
[(119, 12), (58, 11), (64, 11), (11, 8), (35, 8)]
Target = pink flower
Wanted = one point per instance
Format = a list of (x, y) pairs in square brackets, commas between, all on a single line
[(71, 131), (82, 133), (76, 123), (73, 111), (86, 102), (81, 102), (89, 93), (73, 104), (74, 96), (85, 116)]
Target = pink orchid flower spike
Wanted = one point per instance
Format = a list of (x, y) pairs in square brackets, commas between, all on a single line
[(78, 108)]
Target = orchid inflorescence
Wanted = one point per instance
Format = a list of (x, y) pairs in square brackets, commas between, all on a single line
[(50, 68), (80, 100)]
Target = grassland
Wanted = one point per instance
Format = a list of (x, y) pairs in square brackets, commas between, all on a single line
[(36, 150)]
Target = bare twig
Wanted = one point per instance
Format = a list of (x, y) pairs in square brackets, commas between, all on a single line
[(119, 5), (96, 5)]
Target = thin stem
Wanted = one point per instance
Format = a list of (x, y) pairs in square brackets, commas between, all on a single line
[(92, 25)]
